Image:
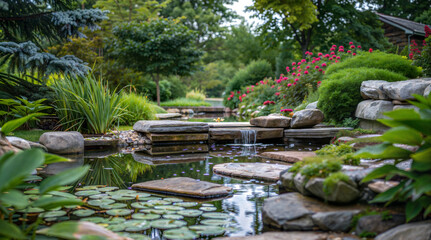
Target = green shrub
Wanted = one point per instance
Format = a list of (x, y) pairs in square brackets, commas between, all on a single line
[(87, 105), (392, 62), (196, 95), (185, 102), (320, 166), (137, 108), (340, 94), (21, 107), (335, 150), (169, 89), (159, 109)]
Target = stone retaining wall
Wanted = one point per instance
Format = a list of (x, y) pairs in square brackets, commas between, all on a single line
[(382, 96)]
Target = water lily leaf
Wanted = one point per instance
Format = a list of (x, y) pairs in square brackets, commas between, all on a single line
[(122, 192), (216, 215), (149, 198), (83, 212), (107, 189), (32, 210), (114, 220), (50, 214), (187, 204), (139, 205), (100, 196), (190, 213), (93, 219), (167, 224), (169, 208), (216, 222), (173, 200), (173, 216), (100, 202), (137, 225), (139, 195), (148, 216), (116, 227), (207, 205), (122, 197), (119, 212), (180, 234), (207, 230), (208, 209), (159, 202), (113, 206), (156, 211), (86, 193)]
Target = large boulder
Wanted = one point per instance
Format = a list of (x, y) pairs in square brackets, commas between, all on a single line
[(373, 109), (271, 122), (416, 231), (306, 118), (19, 143), (312, 105), (63, 142), (373, 89), (341, 192), (168, 126), (403, 90)]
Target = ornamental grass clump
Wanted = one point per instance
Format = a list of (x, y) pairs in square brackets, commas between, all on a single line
[(87, 105), (137, 108), (196, 95)]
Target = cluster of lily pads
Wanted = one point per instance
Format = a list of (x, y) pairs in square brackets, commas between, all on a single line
[(135, 214)]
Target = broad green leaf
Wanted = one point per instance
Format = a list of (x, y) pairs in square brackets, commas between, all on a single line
[(14, 198), (383, 151), (423, 156), (412, 210), (422, 184), (403, 114), (64, 230), (53, 202), (389, 122), (52, 158), (63, 178), (403, 135), (17, 167), (16, 123), (10, 231), (388, 195), (422, 125), (62, 194), (421, 166), (427, 211), (380, 172)]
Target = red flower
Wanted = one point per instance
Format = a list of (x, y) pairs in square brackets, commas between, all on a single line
[(341, 50), (294, 63), (427, 31), (305, 72), (289, 84), (238, 92), (277, 94), (316, 67), (248, 91), (228, 98), (298, 74), (319, 82), (338, 57), (354, 54), (350, 43), (294, 83), (320, 54), (349, 51), (320, 70), (323, 64), (370, 50), (296, 79), (359, 46), (307, 67), (352, 47)]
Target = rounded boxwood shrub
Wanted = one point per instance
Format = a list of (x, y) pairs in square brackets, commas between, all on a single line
[(392, 62), (340, 94)]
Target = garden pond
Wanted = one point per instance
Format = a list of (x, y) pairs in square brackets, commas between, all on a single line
[(106, 189)]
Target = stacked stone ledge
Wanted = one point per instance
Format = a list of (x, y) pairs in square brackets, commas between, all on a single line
[(382, 96)]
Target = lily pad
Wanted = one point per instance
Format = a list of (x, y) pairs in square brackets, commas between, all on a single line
[(159, 202), (100, 196), (156, 211), (140, 195), (116, 227), (54, 219), (119, 212), (187, 204), (216, 215), (173, 216), (169, 208), (149, 198), (93, 219), (167, 224), (207, 205), (70, 206), (107, 189), (208, 209), (190, 213), (122, 197), (216, 222), (206, 230), (180, 234), (148, 216), (137, 225), (173, 200), (92, 187), (113, 206), (139, 205), (114, 220), (122, 192), (100, 202), (83, 212), (87, 193), (51, 214), (32, 210)]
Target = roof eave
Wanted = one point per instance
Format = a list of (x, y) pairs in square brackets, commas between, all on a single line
[(406, 30)]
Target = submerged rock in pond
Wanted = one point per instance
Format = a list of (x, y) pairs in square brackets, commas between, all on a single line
[(287, 156), (260, 171), (63, 142), (170, 127), (184, 186)]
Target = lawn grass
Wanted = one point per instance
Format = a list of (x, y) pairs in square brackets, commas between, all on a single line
[(184, 102), (30, 135)]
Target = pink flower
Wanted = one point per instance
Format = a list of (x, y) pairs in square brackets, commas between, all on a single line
[(272, 86), (277, 94), (332, 53), (320, 70), (341, 50), (305, 72), (349, 51), (294, 63), (303, 60), (244, 95), (294, 83), (316, 67), (228, 98), (323, 64), (298, 74), (352, 47), (307, 67), (289, 84), (359, 46), (296, 79), (310, 53), (248, 91), (319, 82), (314, 61), (340, 47), (299, 63), (330, 58), (332, 49), (370, 50), (320, 54), (334, 46), (285, 78), (293, 74), (293, 68), (354, 54), (350, 43), (338, 57)]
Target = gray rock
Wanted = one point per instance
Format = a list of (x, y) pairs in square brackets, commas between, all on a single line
[(63, 142), (427, 91), (6, 146), (312, 105), (373, 89), (169, 126), (173, 110), (339, 221), (300, 182), (406, 107), (37, 145), (403, 90), (345, 139), (306, 118), (342, 192), (373, 109), (19, 143), (416, 231), (375, 224), (286, 179), (358, 175), (271, 122)]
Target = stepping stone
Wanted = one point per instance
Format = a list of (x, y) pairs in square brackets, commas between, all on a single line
[(287, 156), (292, 236), (177, 137), (184, 186), (162, 116), (271, 122), (169, 126), (260, 171), (170, 159)]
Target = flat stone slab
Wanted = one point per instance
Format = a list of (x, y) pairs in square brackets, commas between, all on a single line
[(293, 236), (177, 137), (287, 156), (162, 116), (169, 126), (271, 122), (313, 132), (229, 124), (169, 159), (260, 171), (176, 149), (184, 186), (230, 134)]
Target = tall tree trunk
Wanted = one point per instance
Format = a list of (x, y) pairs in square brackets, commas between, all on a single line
[(156, 79)]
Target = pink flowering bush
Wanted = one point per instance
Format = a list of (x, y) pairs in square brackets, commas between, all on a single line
[(260, 97), (421, 56)]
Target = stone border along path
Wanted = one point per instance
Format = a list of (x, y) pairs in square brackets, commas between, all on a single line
[(259, 171)]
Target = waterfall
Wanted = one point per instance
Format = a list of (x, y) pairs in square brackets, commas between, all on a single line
[(248, 137)]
